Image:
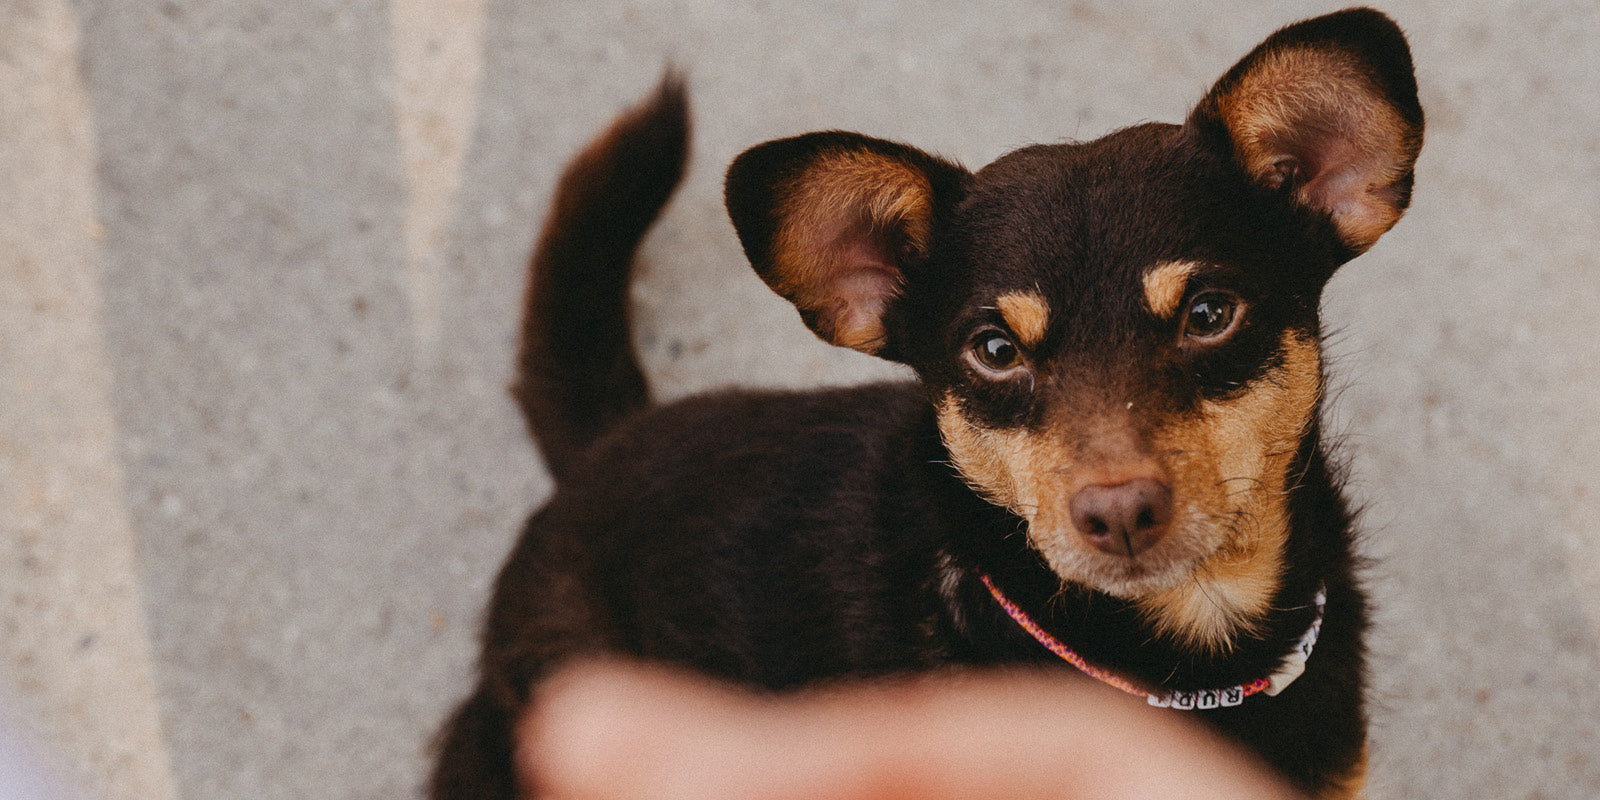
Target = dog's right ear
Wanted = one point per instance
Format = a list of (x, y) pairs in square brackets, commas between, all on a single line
[(836, 223), (1326, 111)]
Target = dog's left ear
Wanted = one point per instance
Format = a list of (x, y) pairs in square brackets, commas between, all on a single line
[(837, 223), (1326, 111)]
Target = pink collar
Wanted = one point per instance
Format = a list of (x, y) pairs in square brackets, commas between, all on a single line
[(1293, 664)]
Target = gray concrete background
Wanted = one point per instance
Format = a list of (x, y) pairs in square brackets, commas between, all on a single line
[(260, 262)]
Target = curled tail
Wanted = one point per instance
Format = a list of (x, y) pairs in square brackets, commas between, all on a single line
[(577, 374)]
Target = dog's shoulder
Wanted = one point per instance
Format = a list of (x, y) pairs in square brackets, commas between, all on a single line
[(733, 430)]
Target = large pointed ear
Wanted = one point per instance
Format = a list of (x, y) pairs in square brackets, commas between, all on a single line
[(1325, 110), (836, 223)]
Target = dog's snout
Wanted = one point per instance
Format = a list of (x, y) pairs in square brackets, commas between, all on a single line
[(1123, 519)]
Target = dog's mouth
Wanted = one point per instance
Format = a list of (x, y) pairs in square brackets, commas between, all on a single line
[(1133, 573), (1206, 582), (1190, 525)]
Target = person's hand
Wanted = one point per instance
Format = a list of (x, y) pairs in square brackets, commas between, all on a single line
[(609, 731)]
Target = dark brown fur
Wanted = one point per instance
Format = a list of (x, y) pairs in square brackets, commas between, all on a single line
[(1116, 419)]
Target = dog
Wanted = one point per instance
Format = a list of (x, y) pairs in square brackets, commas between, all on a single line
[(1111, 455)]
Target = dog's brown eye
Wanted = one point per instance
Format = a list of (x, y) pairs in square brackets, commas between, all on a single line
[(1210, 316), (995, 351)]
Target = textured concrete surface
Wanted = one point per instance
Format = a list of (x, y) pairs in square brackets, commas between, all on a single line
[(259, 264)]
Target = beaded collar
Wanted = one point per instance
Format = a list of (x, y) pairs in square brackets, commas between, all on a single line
[(1226, 697)]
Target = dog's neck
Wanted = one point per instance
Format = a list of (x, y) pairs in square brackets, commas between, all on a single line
[(1292, 666)]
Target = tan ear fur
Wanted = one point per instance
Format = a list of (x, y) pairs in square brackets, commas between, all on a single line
[(1326, 112), (1316, 117), (848, 223)]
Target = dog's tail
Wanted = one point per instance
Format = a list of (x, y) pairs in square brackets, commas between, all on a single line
[(577, 374)]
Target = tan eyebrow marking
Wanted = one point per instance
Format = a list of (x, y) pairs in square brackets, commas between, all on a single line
[(1164, 285), (1027, 314)]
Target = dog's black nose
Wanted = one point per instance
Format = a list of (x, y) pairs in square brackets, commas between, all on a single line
[(1123, 519)]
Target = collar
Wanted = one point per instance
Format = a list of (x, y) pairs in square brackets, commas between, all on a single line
[(1293, 664)]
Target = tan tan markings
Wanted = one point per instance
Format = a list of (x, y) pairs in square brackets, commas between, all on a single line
[(987, 459), (1027, 314), (831, 255), (1212, 578), (1289, 87), (1247, 443), (1164, 286), (1353, 784)]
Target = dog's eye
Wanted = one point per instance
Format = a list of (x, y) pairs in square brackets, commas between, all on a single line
[(994, 351), (1211, 316)]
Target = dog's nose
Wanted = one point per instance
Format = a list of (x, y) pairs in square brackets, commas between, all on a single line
[(1123, 519)]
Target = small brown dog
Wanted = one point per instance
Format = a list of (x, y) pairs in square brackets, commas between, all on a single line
[(1112, 456)]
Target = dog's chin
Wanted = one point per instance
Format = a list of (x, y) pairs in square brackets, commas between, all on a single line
[(1127, 577)]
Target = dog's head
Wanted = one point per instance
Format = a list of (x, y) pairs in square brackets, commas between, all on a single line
[(1120, 336)]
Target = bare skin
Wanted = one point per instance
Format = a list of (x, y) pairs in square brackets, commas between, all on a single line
[(612, 730)]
